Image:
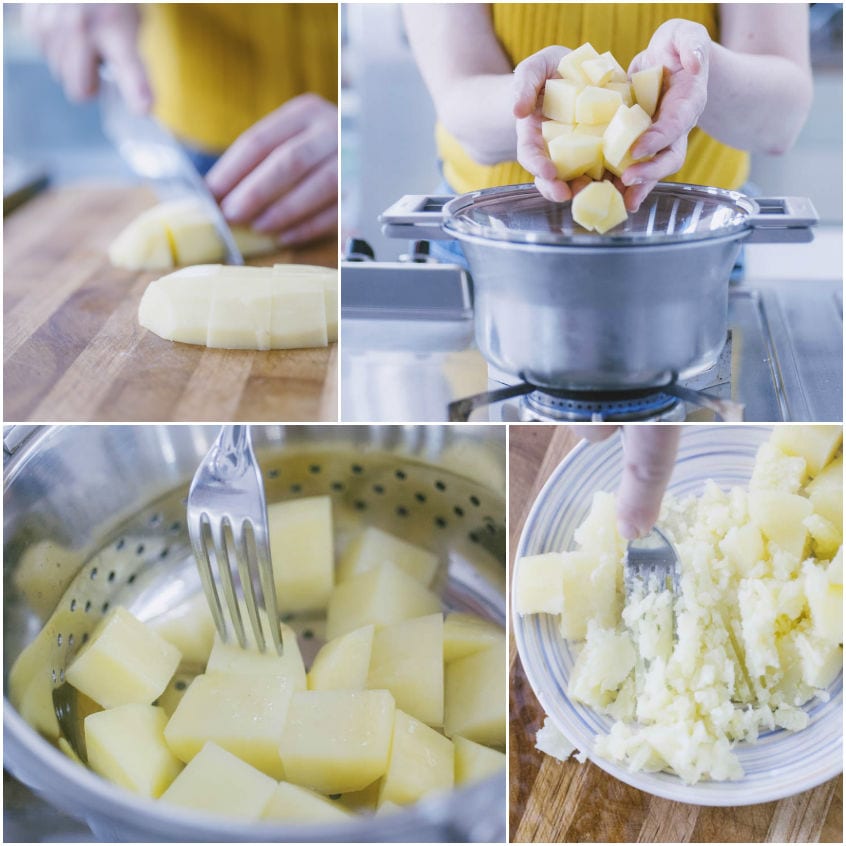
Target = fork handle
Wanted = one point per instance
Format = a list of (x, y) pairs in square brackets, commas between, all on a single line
[(233, 445)]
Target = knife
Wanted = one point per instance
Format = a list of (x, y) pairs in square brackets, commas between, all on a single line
[(153, 153)]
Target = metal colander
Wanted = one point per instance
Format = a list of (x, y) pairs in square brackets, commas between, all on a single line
[(94, 517)]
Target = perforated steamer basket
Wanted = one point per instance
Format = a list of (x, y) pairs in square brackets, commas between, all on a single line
[(94, 516)]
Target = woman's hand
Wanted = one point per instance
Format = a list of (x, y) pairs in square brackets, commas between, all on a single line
[(76, 38), (649, 455), (281, 175), (684, 49)]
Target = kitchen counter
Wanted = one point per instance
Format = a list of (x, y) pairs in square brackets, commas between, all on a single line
[(551, 800), (73, 349)]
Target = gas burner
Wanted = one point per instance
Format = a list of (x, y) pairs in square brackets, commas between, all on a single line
[(585, 407)]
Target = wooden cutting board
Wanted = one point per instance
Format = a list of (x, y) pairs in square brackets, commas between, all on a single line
[(555, 801), (73, 349)]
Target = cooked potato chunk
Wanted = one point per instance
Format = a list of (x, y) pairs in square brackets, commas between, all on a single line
[(597, 105), (570, 67), (574, 154), (646, 85), (474, 762), (624, 128), (465, 634), (371, 547), (816, 444), (342, 663), (599, 206), (475, 696), (559, 100), (293, 803)]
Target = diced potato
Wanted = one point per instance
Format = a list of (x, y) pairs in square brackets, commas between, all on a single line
[(124, 662), (126, 745), (574, 155), (421, 762), (342, 663), (624, 88), (825, 536), (475, 696), (824, 589), (624, 128), (292, 803), (337, 741), (559, 100), (602, 70), (597, 105), (620, 169), (144, 244), (381, 596), (540, 583), (189, 627), (779, 515), (371, 547), (473, 762), (465, 634), (408, 660), (217, 782), (302, 551), (245, 716), (294, 275), (230, 658), (570, 67), (646, 85), (775, 470), (239, 315), (552, 129), (598, 533), (590, 590), (826, 492), (595, 129), (816, 444), (744, 547), (599, 206)]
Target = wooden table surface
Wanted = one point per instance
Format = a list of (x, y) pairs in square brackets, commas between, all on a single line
[(555, 801), (74, 351)]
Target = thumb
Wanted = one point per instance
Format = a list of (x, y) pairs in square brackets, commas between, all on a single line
[(530, 77), (649, 454)]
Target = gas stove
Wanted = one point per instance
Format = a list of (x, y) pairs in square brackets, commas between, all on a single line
[(408, 355)]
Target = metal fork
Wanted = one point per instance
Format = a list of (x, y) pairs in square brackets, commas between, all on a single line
[(227, 522), (651, 564)]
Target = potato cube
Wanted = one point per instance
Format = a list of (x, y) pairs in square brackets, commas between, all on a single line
[(559, 100), (624, 88), (189, 627), (230, 658), (381, 596), (315, 277), (599, 206), (779, 516), (473, 762), (825, 536), (595, 129), (574, 155), (570, 67), (126, 745), (217, 782), (342, 663), (816, 444), (590, 591), (597, 105), (744, 547), (540, 583), (552, 129), (475, 696), (239, 317), (302, 551), (245, 716), (125, 661), (824, 589), (646, 85), (193, 238), (337, 741), (603, 69), (624, 128), (292, 803), (598, 533), (826, 492), (178, 309), (408, 660), (465, 634), (421, 762), (371, 547), (620, 169), (144, 244)]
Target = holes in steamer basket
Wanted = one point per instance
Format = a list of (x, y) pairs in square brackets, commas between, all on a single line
[(314, 469), (402, 511), (400, 474), (273, 474), (296, 488), (155, 520)]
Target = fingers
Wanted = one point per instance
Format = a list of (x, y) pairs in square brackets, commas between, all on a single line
[(531, 75), (553, 189), (649, 454), (320, 225), (642, 177), (531, 148)]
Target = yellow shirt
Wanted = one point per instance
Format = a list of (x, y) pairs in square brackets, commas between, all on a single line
[(625, 30), (216, 69)]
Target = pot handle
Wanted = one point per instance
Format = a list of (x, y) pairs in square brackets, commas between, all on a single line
[(782, 220), (415, 216)]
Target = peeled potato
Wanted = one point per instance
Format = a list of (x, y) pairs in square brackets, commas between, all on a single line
[(574, 155), (646, 85), (599, 206), (257, 308)]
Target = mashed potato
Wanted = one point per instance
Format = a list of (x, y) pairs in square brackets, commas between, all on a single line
[(755, 633)]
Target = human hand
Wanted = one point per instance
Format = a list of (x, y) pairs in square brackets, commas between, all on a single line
[(76, 38), (683, 48), (281, 175), (649, 454)]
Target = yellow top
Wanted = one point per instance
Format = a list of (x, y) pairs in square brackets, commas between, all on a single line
[(625, 30), (216, 68)]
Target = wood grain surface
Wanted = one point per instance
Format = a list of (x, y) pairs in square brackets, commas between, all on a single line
[(555, 801), (73, 349)]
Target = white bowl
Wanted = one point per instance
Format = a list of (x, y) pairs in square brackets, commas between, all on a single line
[(781, 763)]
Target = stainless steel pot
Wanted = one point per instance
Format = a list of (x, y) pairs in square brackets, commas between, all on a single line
[(94, 513), (637, 307)]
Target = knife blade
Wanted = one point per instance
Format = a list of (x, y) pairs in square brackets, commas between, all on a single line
[(154, 154)]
